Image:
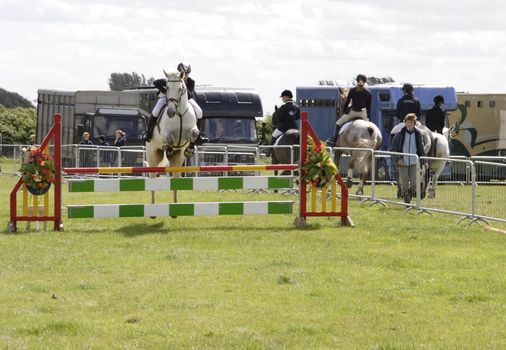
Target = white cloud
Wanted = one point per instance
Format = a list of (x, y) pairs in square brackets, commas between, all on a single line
[(268, 45)]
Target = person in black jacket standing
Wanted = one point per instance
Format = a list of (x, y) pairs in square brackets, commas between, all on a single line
[(360, 99), (284, 117), (436, 116)]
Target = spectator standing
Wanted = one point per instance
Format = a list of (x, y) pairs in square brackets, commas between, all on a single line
[(86, 139), (407, 141), (120, 140)]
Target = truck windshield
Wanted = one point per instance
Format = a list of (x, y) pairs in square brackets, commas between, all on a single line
[(107, 125), (231, 130)]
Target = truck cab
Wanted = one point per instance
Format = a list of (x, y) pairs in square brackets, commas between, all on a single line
[(105, 121), (229, 121)]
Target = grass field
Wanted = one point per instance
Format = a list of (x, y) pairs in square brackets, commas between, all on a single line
[(252, 282)]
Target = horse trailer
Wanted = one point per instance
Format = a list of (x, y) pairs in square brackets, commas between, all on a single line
[(322, 102)]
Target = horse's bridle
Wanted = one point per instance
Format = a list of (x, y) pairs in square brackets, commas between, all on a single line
[(177, 102)]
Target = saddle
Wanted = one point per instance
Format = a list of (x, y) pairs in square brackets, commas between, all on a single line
[(287, 132), (345, 126)]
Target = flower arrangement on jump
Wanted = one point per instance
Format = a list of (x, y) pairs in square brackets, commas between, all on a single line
[(38, 170), (319, 168)]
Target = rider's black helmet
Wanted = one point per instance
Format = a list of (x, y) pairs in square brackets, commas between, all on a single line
[(181, 67), (439, 98), (361, 77), (407, 87)]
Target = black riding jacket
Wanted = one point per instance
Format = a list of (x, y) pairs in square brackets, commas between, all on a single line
[(435, 119), (361, 99), (406, 105), (161, 85), (286, 115)]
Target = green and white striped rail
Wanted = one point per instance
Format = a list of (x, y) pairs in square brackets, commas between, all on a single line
[(187, 183), (179, 209)]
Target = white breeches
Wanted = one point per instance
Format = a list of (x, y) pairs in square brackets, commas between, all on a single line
[(162, 101), (196, 108), (352, 115)]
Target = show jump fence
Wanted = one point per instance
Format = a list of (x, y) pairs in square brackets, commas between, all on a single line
[(309, 205)]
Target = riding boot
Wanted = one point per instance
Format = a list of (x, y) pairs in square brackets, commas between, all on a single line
[(151, 126), (333, 140), (202, 138), (268, 152)]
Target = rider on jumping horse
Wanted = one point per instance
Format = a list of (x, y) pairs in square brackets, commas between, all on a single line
[(161, 85)]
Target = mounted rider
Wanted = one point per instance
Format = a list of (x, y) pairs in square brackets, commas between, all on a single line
[(284, 117), (360, 97), (408, 103), (161, 85), (435, 117)]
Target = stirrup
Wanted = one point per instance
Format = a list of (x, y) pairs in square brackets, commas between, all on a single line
[(201, 139)]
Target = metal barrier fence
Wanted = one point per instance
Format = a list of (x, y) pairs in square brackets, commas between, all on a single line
[(490, 189), (473, 188)]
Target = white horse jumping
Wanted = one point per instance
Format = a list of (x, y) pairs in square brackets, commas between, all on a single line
[(175, 129)]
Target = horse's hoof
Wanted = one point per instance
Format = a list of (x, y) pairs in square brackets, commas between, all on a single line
[(152, 217), (349, 182), (359, 193)]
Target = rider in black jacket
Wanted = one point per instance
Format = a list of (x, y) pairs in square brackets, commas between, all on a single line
[(360, 98), (408, 103), (436, 116), (284, 117)]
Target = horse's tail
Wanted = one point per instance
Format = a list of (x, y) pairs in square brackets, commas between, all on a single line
[(362, 158), (364, 143)]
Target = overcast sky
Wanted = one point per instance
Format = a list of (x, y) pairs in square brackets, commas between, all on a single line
[(268, 45)]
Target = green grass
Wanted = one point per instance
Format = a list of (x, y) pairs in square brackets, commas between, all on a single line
[(252, 282)]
